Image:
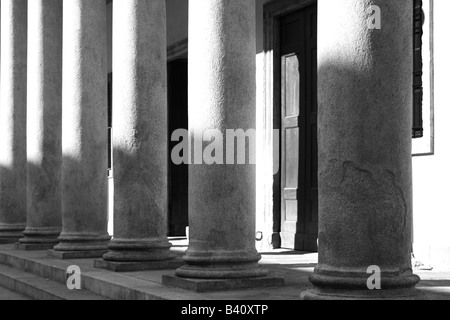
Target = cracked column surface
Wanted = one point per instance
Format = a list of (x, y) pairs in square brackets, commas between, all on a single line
[(85, 132), (44, 124), (13, 120), (221, 96), (365, 164), (140, 135)]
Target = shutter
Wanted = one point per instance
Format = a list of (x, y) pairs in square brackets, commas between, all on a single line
[(418, 70)]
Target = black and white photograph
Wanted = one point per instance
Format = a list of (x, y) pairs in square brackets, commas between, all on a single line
[(225, 157)]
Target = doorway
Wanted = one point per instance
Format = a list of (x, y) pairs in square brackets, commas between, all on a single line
[(299, 153), (178, 218)]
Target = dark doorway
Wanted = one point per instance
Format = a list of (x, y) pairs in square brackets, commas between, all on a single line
[(299, 187), (178, 119)]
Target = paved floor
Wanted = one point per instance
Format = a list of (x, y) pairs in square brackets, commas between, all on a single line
[(294, 267)]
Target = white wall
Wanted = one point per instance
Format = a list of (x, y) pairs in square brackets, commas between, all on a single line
[(432, 173)]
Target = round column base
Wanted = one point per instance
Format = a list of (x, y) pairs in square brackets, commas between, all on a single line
[(82, 242), (139, 250), (217, 265), (348, 294), (331, 284), (222, 272), (10, 233), (357, 280), (38, 236)]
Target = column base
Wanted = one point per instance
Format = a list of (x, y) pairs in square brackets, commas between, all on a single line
[(146, 251), (204, 285), (221, 264), (11, 233), (221, 272), (138, 266), (37, 239), (339, 284), (342, 294), (79, 246), (340, 279)]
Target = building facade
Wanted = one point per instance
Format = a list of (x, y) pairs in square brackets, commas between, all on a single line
[(328, 85)]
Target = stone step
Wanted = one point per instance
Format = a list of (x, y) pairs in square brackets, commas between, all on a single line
[(39, 288), (111, 285)]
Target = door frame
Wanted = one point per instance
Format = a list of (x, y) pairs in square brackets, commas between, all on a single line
[(273, 12)]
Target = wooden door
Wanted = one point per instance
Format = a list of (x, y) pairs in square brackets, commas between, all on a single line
[(299, 187)]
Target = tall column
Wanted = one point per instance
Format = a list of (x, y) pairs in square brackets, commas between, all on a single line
[(222, 94), (44, 124), (365, 165), (85, 131), (140, 137), (13, 136)]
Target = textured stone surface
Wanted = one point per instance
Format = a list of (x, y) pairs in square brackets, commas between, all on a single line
[(77, 254), (221, 97), (44, 124), (138, 266), (365, 121), (13, 136), (85, 133), (34, 246), (140, 138), (199, 285), (358, 295)]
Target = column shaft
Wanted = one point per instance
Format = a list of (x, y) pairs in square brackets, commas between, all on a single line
[(44, 123), (140, 137), (13, 155), (222, 93), (85, 139), (365, 165)]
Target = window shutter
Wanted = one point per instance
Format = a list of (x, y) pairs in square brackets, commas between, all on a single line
[(418, 70)]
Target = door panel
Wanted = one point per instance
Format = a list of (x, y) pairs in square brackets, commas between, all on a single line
[(299, 207)]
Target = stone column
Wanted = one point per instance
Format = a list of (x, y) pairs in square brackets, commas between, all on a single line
[(222, 94), (13, 135), (140, 137), (85, 131), (44, 124), (365, 165)]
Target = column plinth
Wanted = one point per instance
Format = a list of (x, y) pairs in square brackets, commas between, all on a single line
[(44, 125), (365, 164), (85, 133), (13, 113), (140, 138)]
